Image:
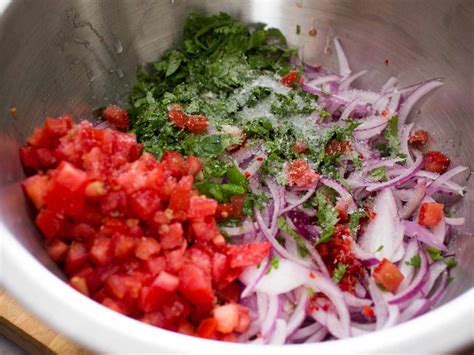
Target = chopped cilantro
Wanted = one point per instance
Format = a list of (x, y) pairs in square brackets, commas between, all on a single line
[(354, 221), (391, 135), (310, 292), (380, 248), (339, 272), (299, 239), (414, 261), (274, 263), (378, 174), (435, 255)]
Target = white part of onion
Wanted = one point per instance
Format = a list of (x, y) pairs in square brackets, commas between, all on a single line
[(385, 229)]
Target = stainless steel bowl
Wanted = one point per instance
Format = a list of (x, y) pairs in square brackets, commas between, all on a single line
[(72, 56)]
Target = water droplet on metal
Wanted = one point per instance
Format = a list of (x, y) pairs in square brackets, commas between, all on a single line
[(118, 47)]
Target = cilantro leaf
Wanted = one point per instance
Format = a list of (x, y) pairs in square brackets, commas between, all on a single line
[(339, 272), (354, 221), (414, 261), (281, 222), (274, 264)]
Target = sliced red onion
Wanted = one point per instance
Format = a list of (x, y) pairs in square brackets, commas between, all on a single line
[(344, 68), (367, 258), (255, 165), (414, 200), (368, 97), (404, 136), (407, 270), (355, 302), (262, 305), (349, 109), (348, 81), (278, 336), (287, 277), (251, 276), (370, 165), (324, 79), (302, 200), (416, 285), (415, 97), (393, 316), (344, 194), (408, 174), (380, 305), (459, 221), (299, 314), (442, 179), (450, 185), (370, 128), (318, 336), (334, 294), (307, 331), (271, 314), (103, 125), (389, 85), (246, 152), (392, 106), (413, 229), (436, 269), (385, 229), (381, 104)]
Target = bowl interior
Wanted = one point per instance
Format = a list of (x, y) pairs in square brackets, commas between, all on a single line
[(81, 55)]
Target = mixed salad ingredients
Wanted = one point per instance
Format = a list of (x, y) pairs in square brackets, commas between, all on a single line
[(272, 202)]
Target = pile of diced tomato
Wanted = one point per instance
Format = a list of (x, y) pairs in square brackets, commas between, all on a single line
[(132, 233)]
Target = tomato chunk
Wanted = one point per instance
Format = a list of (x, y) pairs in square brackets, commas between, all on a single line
[(50, 223), (195, 285), (197, 124), (300, 174), (35, 187), (227, 318), (431, 214), (207, 329), (388, 275), (117, 116), (290, 79), (201, 206), (419, 138), (248, 254), (436, 162)]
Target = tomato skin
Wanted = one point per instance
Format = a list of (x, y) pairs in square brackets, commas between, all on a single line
[(178, 117), (197, 124), (431, 213), (195, 285), (50, 223), (388, 275), (290, 79), (117, 116), (35, 188), (247, 254), (436, 162), (336, 146), (300, 174), (207, 329), (419, 138)]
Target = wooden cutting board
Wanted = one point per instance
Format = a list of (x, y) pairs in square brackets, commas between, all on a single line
[(21, 327)]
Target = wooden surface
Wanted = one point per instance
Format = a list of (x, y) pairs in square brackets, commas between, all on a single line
[(31, 334)]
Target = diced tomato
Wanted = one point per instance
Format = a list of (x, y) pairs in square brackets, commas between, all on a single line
[(29, 159), (46, 157), (180, 198), (207, 329), (431, 213), (35, 188), (153, 298), (50, 223), (186, 328), (122, 286), (57, 250), (175, 163), (147, 247), (205, 229), (193, 165), (201, 206), (124, 245), (200, 258), (174, 260), (195, 285), (247, 254), (220, 266), (368, 312), (156, 264), (114, 305), (166, 281), (290, 79), (299, 147), (178, 117), (77, 256), (419, 138), (388, 275), (171, 236), (38, 139), (80, 284), (197, 124), (436, 162), (244, 319), (145, 202), (66, 190), (117, 116), (336, 146), (55, 128), (114, 203), (95, 189), (300, 174), (101, 252), (227, 318)]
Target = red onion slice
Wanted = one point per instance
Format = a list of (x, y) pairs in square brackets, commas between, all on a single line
[(279, 333), (389, 86), (299, 314), (414, 199), (344, 194), (271, 314), (404, 135), (348, 81), (370, 128), (344, 68), (414, 230), (407, 175), (442, 179), (407, 270), (416, 285), (306, 332), (415, 97), (459, 221), (302, 200), (251, 275)]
